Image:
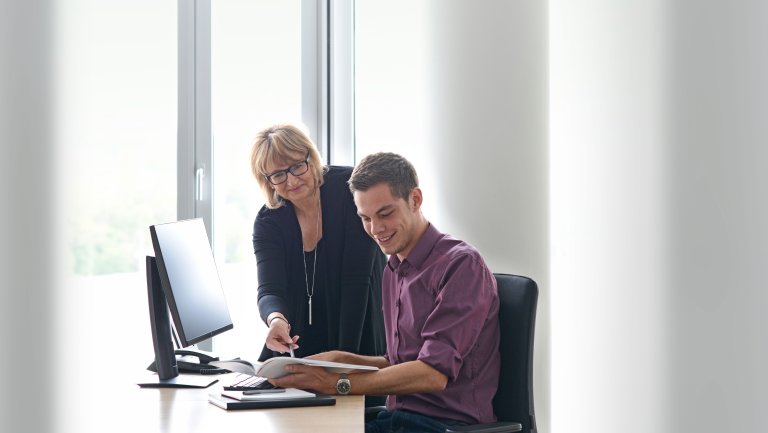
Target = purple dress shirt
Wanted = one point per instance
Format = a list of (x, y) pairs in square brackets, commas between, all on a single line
[(441, 307)]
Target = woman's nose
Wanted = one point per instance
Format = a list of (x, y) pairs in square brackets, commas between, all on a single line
[(291, 178)]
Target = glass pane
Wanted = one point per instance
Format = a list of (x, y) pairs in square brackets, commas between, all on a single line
[(389, 77), (392, 89), (117, 122), (256, 82), (116, 98)]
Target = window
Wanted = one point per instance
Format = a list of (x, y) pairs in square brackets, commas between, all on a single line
[(256, 81), (118, 124), (116, 115)]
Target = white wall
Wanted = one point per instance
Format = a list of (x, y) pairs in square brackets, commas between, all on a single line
[(659, 229), (485, 124)]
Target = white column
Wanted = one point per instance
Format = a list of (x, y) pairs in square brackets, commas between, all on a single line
[(27, 261), (717, 199), (659, 228), (486, 136)]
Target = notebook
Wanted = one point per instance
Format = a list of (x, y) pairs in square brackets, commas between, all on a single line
[(228, 403)]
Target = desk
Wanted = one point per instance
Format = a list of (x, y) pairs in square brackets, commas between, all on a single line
[(95, 389), (164, 410)]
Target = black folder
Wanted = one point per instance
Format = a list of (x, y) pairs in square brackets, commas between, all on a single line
[(232, 404)]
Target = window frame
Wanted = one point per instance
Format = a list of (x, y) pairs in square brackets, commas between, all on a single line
[(327, 93)]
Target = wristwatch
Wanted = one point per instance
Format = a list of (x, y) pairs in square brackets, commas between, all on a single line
[(343, 386)]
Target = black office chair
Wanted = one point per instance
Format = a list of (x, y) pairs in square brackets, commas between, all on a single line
[(513, 403)]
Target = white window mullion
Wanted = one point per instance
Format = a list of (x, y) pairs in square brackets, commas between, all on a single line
[(342, 82), (195, 151), (314, 71)]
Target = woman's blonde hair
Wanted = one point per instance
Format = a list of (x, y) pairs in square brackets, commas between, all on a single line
[(280, 145)]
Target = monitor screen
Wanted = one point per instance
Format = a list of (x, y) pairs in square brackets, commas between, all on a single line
[(190, 280)]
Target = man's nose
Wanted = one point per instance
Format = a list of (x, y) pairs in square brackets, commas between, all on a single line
[(376, 227)]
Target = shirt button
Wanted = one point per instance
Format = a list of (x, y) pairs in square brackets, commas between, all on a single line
[(396, 333), (402, 274)]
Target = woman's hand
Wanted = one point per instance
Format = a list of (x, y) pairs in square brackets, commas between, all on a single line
[(279, 337)]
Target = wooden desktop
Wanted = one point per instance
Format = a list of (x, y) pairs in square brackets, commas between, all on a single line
[(126, 407), (104, 345)]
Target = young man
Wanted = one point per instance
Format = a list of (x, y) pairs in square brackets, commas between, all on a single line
[(440, 314)]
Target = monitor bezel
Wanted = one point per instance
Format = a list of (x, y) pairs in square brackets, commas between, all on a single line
[(185, 340)]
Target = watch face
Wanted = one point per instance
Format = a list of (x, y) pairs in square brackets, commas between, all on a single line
[(343, 386)]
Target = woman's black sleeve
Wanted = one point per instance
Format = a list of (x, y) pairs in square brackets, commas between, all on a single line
[(269, 248)]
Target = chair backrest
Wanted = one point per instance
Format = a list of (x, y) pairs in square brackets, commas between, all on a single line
[(518, 297)]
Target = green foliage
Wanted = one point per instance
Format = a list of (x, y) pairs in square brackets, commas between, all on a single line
[(114, 239)]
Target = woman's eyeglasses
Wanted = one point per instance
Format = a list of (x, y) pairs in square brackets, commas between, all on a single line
[(281, 176)]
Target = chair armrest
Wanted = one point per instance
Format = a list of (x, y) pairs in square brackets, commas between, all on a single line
[(496, 427)]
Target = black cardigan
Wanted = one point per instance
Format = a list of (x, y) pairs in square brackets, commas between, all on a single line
[(348, 274)]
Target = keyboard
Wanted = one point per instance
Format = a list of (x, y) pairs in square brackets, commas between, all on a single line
[(245, 382)]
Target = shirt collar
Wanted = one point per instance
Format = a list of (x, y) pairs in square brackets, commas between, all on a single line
[(420, 251)]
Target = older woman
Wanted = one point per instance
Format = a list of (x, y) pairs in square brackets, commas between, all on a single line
[(319, 272)]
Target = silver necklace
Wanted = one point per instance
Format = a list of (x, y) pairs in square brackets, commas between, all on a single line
[(311, 291)]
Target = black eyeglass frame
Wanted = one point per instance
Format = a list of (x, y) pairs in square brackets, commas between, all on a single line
[(292, 169)]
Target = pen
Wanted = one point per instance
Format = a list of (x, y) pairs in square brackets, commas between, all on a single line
[(290, 347), (263, 391)]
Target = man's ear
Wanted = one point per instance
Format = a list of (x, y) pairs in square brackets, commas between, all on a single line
[(416, 199)]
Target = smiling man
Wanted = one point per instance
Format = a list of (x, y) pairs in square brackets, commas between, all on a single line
[(440, 314)]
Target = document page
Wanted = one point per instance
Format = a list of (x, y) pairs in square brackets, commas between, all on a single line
[(275, 367)]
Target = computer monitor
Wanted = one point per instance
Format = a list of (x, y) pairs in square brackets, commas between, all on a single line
[(183, 278)]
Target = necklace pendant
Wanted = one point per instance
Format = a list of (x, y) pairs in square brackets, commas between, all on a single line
[(310, 311)]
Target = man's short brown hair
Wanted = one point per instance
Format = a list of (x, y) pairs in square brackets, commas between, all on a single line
[(387, 167)]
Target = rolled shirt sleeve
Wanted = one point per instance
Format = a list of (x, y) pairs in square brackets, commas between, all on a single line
[(463, 299)]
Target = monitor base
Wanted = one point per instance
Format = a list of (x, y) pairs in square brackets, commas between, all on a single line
[(180, 381)]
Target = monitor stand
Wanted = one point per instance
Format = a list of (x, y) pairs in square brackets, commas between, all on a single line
[(193, 361), (186, 362), (165, 357)]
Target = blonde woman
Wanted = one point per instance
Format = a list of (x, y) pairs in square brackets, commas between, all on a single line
[(319, 272)]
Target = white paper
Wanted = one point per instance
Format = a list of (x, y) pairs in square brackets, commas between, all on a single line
[(275, 367)]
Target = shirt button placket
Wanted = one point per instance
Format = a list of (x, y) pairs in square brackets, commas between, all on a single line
[(400, 284)]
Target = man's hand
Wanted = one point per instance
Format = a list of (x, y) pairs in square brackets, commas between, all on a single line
[(308, 377), (332, 356)]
